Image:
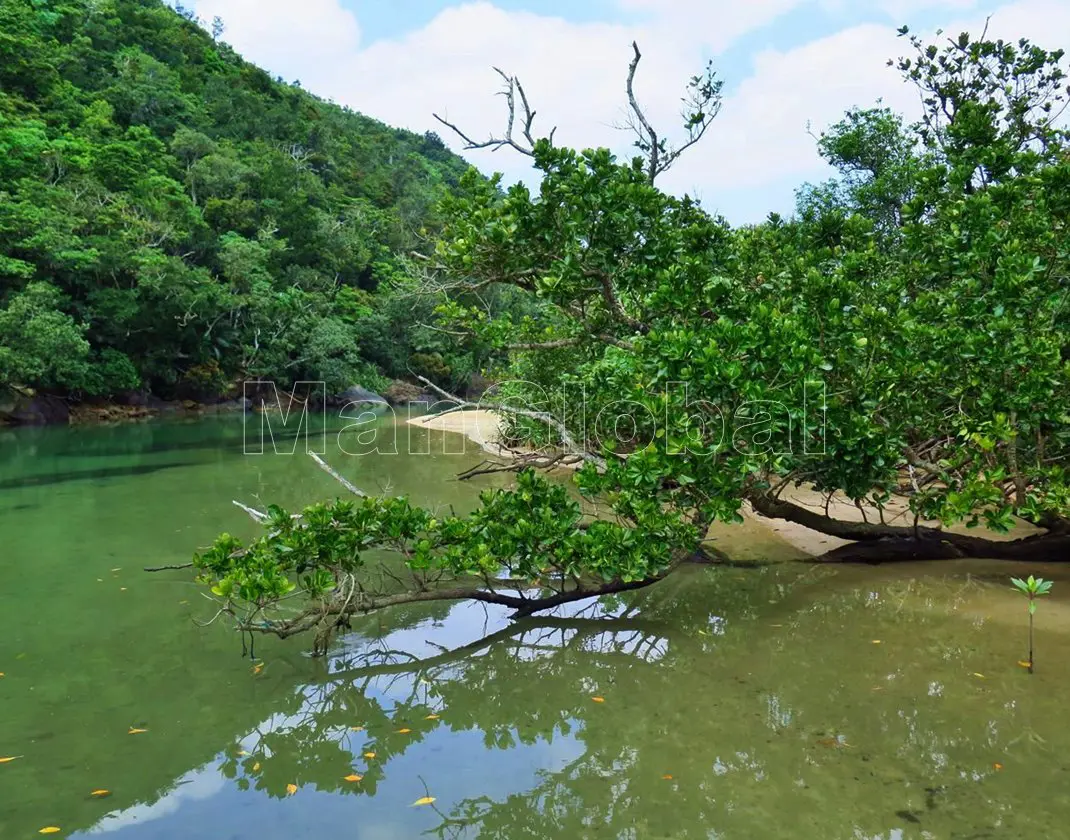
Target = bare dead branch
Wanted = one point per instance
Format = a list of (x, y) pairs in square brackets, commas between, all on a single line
[(567, 441), (649, 142), (511, 90), (346, 483)]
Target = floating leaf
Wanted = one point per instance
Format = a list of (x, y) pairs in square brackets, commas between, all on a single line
[(1, 673), (135, 731), (356, 729), (6, 759), (50, 829), (667, 776), (876, 641), (979, 676), (404, 731), (997, 765), (429, 717), (256, 767), (242, 752), (424, 800), (353, 777), (100, 794), (258, 667), (122, 589), (369, 755), (1023, 663), (599, 699), (291, 789)]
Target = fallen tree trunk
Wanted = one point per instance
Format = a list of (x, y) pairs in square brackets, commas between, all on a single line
[(873, 542)]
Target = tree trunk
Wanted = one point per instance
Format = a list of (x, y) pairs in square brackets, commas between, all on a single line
[(877, 543)]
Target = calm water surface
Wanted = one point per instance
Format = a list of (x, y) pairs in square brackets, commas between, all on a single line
[(787, 701)]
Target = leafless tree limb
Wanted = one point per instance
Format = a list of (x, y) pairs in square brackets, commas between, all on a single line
[(567, 441), (511, 91), (346, 483)]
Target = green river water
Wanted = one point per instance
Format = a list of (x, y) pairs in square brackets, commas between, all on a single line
[(787, 701)]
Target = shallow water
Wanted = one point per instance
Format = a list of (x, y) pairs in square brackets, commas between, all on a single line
[(786, 701)]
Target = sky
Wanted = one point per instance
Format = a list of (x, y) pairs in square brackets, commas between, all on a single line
[(790, 69)]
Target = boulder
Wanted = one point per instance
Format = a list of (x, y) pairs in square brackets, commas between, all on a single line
[(403, 393), (356, 394), (26, 408)]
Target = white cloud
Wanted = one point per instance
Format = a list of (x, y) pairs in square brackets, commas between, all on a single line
[(302, 41), (904, 10), (574, 75)]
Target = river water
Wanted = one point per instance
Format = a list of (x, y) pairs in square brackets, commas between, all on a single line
[(784, 701)]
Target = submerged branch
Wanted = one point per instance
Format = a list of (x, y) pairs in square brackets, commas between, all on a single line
[(339, 611)]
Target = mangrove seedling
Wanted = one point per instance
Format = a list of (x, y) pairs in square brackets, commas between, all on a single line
[(1032, 588)]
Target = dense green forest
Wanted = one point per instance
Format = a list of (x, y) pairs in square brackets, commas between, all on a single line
[(173, 219)]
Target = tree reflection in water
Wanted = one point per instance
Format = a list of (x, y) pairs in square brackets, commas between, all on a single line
[(762, 710)]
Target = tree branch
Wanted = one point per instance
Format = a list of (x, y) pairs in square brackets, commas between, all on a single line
[(510, 91), (567, 440)]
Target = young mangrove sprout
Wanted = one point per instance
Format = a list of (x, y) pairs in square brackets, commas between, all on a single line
[(1032, 588)]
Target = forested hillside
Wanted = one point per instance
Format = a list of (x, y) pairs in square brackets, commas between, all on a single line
[(172, 219)]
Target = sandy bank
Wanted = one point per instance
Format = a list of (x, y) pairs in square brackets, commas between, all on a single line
[(481, 427)]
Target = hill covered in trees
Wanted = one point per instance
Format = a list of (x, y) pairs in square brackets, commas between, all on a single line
[(173, 219)]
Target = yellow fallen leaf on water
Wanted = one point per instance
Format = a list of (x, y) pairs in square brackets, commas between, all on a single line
[(356, 729), (1, 673), (776, 625), (353, 777), (876, 641), (122, 589), (404, 731), (100, 793), (667, 776), (6, 759), (599, 699), (424, 800), (100, 580), (258, 667), (1021, 662), (118, 570), (256, 767), (50, 829), (369, 755), (429, 717), (136, 731), (998, 766), (291, 790), (979, 676), (242, 752)]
